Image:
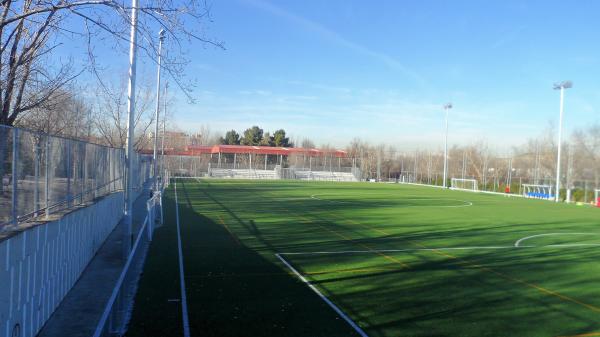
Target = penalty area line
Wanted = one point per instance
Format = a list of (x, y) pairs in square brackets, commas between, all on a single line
[(323, 297), (400, 250), (342, 252), (465, 202)]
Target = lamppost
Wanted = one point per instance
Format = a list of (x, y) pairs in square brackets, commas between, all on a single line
[(560, 86), (162, 142), (161, 37), (447, 107), (127, 229)]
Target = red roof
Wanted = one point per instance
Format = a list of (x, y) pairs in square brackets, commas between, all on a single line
[(195, 150)]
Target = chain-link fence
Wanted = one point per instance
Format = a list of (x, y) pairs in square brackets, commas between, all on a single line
[(493, 172), (43, 174)]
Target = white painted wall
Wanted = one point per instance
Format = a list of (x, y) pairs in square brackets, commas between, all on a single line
[(40, 265)]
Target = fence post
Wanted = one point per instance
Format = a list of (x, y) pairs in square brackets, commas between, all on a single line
[(162, 220), (47, 178), (15, 158), (36, 165), (95, 178), (149, 208), (68, 173), (83, 171)]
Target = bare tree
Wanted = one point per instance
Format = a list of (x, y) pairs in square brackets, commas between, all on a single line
[(587, 153), (30, 31), (63, 113), (110, 115)]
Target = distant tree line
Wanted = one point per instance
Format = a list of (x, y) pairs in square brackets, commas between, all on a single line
[(256, 136), (533, 162)]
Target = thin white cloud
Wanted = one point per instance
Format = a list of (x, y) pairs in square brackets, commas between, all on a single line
[(335, 37)]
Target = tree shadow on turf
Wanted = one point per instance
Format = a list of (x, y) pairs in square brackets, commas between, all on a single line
[(437, 297), (478, 293), (234, 291)]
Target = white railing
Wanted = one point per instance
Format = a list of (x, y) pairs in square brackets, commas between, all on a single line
[(117, 312)]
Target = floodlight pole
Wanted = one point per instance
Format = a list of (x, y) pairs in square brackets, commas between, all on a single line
[(161, 37), (130, 130), (446, 108), (162, 143), (560, 86)]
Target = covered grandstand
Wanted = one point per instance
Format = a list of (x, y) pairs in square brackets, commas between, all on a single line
[(261, 162)]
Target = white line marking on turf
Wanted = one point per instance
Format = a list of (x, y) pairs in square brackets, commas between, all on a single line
[(398, 250), (566, 245), (323, 297), (184, 308), (574, 245), (465, 203), (518, 242)]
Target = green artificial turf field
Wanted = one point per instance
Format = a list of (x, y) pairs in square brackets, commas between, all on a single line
[(395, 260)]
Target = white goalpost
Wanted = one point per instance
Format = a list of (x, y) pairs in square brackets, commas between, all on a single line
[(538, 191), (597, 198), (464, 184)]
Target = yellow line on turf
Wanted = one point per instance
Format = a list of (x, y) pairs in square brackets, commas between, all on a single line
[(235, 239), (589, 334), (488, 269), (357, 243)]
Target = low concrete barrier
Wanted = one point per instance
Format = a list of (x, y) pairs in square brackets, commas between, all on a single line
[(40, 264)]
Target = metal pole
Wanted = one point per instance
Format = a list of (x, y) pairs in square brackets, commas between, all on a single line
[(161, 38), (485, 168), (68, 173), (560, 123), (130, 130), (47, 178), (36, 192), (446, 108), (509, 173), (15, 159), (463, 165), (82, 166), (162, 145)]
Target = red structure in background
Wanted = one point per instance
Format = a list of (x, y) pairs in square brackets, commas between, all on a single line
[(197, 150), (598, 202)]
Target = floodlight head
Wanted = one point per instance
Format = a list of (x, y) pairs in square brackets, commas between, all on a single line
[(563, 85), (161, 34), (448, 106)]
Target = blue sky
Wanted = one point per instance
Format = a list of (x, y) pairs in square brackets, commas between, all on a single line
[(381, 70)]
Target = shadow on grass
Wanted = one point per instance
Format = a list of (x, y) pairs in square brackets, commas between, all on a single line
[(436, 296), (234, 291), (481, 293), (157, 306)]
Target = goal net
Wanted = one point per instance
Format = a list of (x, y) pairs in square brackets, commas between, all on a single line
[(538, 191), (464, 184), (597, 198)]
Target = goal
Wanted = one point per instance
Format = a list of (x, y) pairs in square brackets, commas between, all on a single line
[(538, 191), (464, 184), (597, 198)]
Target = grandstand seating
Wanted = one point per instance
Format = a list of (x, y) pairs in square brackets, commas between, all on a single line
[(272, 174), (242, 174), (325, 176)]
